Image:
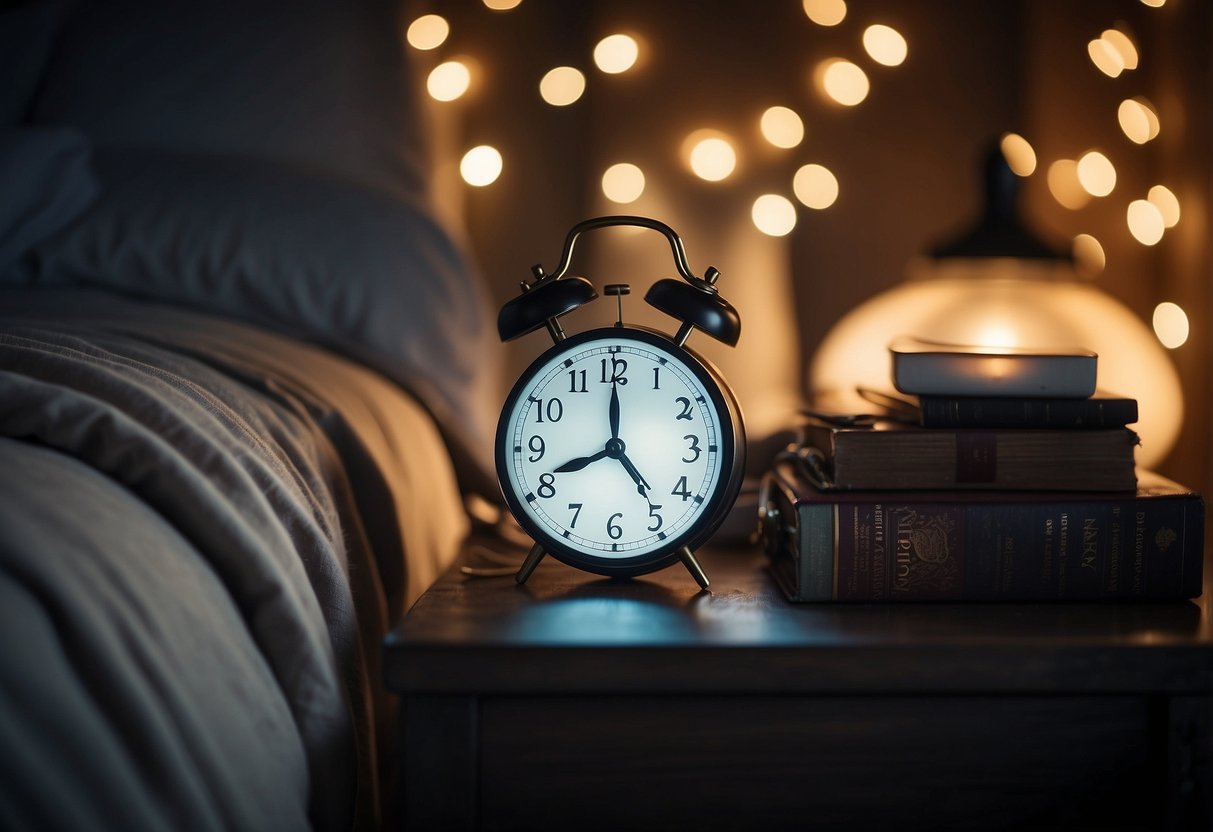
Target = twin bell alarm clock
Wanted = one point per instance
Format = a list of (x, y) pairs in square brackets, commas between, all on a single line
[(620, 450)]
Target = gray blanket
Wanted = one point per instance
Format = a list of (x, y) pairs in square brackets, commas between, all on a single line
[(192, 583)]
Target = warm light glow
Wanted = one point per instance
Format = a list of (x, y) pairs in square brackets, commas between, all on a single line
[(1154, 4), (1145, 222), (782, 127), (1167, 203), (1088, 254), (1138, 119), (448, 81), (1020, 156), (885, 44), (1064, 184), (1096, 173), (623, 183), (815, 186), (710, 155), (616, 53), (842, 81), (825, 12), (562, 86), (502, 5), (480, 166), (773, 215), (1170, 325), (1124, 47), (427, 32), (1105, 57)]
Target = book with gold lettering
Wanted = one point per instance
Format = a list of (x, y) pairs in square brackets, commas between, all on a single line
[(887, 454), (982, 546)]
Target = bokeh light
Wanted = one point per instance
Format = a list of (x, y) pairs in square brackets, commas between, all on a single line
[(1170, 324), (1154, 4), (427, 32), (710, 155), (502, 5), (1089, 254), (781, 127), (1145, 222), (815, 186), (885, 45), (616, 53), (481, 165), (1138, 119), (562, 86), (623, 183), (1096, 173), (773, 215), (1105, 57), (1124, 47), (1020, 156), (448, 81), (826, 12), (1161, 197), (1064, 184), (842, 81)]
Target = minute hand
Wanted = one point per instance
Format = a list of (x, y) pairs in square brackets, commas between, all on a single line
[(641, 485)]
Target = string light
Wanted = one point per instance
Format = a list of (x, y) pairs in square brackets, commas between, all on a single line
[(842, 81), (885, 45), (815, 186), (1145, 222), (616, 53), (623, 183), (481, 165), (448, 81), (781, 127), (1170, 324), (427, 32), (825, 12), (773, 215), (1020, 156), (562, 86), (1096, 173)]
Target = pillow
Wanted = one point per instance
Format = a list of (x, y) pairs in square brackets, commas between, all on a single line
[(27, 33), (46, 182), (321, 83), (362, 271)]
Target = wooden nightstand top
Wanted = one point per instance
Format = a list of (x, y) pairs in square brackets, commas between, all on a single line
[(568, 631)]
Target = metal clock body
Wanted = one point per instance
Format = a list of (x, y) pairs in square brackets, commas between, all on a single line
[(618, 450)]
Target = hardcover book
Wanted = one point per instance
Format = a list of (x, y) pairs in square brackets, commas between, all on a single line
[(1098, 411), (980, 546), (933, 368), (894, 455)]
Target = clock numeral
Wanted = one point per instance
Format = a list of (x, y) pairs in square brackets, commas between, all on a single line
[(576, 509), (555, 410), (618, 368), (574, 387), (614, 530), (686, 408), (681, 489), (693, 449), (537, 446), (656, 525), (547, 486), (656, 378)]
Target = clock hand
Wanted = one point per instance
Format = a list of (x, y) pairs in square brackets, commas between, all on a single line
[(641, 485), (579, 463), (614, 410)]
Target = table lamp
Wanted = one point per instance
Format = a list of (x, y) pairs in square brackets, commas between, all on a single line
[(999, 284)]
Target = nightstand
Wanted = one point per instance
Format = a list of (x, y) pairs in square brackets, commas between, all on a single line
[(576, 702)]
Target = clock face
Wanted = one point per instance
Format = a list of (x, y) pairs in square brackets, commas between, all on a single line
[(617, 447)]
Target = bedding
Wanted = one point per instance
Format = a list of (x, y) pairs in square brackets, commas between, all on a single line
[(205, 528)]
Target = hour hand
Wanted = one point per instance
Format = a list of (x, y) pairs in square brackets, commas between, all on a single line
[(579, 463)]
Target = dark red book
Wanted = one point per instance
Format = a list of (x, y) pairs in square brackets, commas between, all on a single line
[(983, 546)]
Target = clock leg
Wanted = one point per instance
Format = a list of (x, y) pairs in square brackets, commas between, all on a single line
[(528, 566), (688, 560)]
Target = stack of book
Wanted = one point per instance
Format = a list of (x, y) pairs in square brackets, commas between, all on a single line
[(952, 495)]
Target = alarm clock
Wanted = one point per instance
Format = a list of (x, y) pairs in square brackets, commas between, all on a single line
[(620, 450)]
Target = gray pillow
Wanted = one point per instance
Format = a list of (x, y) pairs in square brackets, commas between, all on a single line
[(28, 29), (360, 270)]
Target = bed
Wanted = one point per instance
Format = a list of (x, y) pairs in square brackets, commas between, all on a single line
[(245, 385)]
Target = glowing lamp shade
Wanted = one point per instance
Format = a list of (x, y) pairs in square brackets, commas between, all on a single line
[(999, 286)]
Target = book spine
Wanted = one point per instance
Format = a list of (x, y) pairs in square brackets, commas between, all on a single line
[(940, 412), (1095, 550)]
